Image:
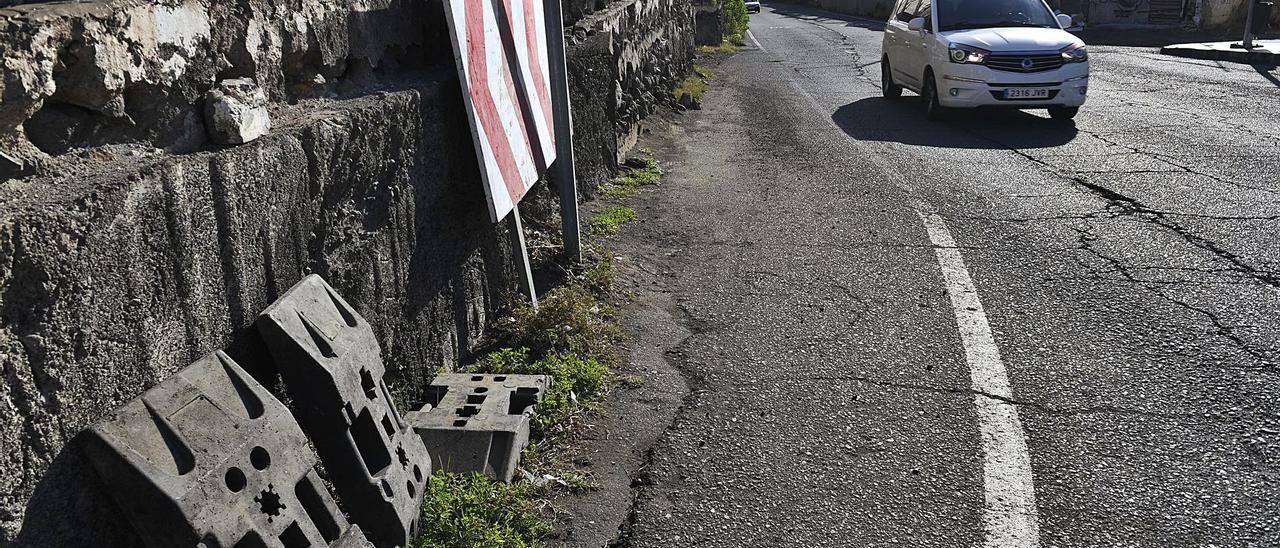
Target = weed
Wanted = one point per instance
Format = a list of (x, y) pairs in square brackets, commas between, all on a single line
[(568, 319), (612, 218), (615, 192), (695, 86), (463, 511), (578, 386), (578, 483), (629, 182), (724, 47), (631, 381), (599, 277), (704, 72), (736, 20)]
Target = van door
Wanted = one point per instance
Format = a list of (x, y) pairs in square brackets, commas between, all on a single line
[(916, 43), (896, 42)]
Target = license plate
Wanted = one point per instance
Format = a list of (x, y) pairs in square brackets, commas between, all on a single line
[(1026, 93)]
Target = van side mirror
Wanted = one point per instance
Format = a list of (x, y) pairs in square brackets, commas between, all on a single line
[(916, 24), (1064, 20)]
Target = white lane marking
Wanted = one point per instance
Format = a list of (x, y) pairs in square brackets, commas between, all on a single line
[(755, 42), (1009, 515)]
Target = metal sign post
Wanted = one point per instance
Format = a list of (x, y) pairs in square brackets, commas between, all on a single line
[(521, 252), (563, 168)]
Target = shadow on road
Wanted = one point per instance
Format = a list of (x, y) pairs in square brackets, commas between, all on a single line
[(1265, 71), (902, 121)]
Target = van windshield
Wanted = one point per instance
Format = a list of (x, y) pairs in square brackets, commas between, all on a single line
[(984, 14)]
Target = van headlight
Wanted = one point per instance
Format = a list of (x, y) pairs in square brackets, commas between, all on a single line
[(1075, 53), (961, 53)]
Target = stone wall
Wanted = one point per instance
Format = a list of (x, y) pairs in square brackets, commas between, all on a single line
[(624, 61), (1228, 16), (130, 245)]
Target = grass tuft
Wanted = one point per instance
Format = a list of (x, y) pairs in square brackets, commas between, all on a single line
[(695, 86), (567, 320), (631, 381), (724, 47), (628, 183), (599, 277), (579, 385), (608, 222), (463, 511)]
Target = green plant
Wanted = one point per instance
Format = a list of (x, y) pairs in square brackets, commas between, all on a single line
[(631, 381), (599, 277), (693, 85), (628, 183), (736, 20), (568, 319), (612, 218), (579, 383), (464, 511), (724, 47)]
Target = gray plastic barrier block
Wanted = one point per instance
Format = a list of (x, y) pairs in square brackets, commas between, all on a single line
[(478, 423), (332, 368), (209, 458)]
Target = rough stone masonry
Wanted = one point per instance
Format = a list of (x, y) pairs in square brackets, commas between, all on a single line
[(131, 243)]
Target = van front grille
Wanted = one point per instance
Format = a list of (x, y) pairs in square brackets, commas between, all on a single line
[(1031, 62)]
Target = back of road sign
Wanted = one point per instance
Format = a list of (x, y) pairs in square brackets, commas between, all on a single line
[(501, 52)]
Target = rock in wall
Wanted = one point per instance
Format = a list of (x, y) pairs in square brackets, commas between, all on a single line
[(708, 22), (130, 245), (92, 73)]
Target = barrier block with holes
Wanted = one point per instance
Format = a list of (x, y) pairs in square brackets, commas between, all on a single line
[(331, 364), (478, 423), (210, 458)]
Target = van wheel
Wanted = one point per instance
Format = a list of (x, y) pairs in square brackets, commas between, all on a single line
[(933, 110), (887, 87), (1063, 113)]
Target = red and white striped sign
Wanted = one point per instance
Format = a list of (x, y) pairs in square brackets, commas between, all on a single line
[(501, 49)]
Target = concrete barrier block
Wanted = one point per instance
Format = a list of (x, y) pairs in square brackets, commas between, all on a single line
[(332, 367), (210, 458), (478, 423)]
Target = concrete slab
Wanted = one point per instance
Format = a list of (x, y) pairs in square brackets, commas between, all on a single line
[(1265, 52), (478, 423), (210, 458), (331, 364)]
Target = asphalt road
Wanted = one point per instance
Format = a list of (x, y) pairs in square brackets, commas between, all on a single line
[(1128, 268)]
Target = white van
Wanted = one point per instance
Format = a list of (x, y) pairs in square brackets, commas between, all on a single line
[(972, 53)]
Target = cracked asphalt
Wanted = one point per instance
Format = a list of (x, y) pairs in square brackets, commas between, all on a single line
[(1129, 267)]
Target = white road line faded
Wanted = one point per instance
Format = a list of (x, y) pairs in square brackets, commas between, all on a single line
[(755, 42), (1009, 515)]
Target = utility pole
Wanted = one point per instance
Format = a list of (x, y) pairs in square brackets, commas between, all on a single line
[(1247, 43)]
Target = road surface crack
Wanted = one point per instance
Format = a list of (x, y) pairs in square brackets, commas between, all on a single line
[(1041, 407), (1125, 205)]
